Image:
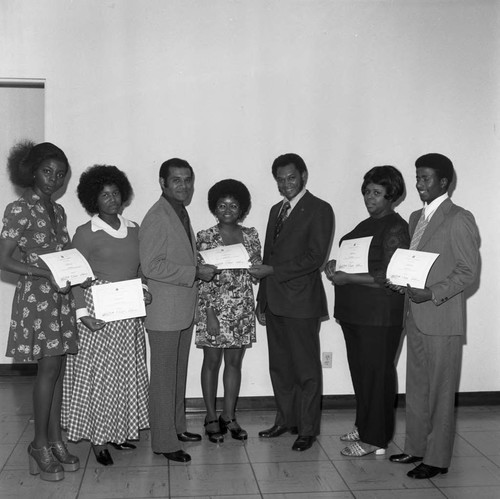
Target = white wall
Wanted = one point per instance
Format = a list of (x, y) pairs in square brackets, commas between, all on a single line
[(229, 85)]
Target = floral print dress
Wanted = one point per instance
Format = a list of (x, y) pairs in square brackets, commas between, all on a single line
[(230, 293), (43, 321)]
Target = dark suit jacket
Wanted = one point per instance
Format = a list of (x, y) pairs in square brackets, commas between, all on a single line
[(452, 232), (296, 289)]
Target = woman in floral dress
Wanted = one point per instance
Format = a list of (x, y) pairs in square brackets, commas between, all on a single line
[(226, 324), (42, 326)]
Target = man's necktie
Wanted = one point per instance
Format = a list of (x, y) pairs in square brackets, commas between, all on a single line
[(185, 222), (281, 218), (419, 231)]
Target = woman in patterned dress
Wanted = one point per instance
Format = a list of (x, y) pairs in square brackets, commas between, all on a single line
[(42, 326), (106, 384), (226, 324)]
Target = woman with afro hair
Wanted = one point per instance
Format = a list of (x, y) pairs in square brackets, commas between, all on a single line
[(42, 327), (226, 325), (106, 384)]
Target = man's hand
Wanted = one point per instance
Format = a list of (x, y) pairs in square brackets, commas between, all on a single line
[(330, 269), (418, 295), (148, 297), (260, 271), (205, 272), (261, 316)]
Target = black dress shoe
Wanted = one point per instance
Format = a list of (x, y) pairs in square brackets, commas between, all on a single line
[(426, 471), (104, 457), (123, 446), (303, 443), (179, 455), (237, 432), (213, 431), (405, 458), (274, 431), (188, 437)]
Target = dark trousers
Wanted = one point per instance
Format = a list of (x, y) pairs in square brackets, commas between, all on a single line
[(296, 373), (167, 387), (371, 353)]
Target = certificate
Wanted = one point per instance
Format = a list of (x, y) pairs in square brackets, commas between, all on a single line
[(68, 265), (410, 267), (116, 301), (353, 255), (234, 256)]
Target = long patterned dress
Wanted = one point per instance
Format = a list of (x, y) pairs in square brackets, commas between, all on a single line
[(43, 321), (106, 384), (230, 293)]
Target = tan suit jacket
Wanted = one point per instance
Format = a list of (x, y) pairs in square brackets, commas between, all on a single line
[(452, 232), (168, 260)]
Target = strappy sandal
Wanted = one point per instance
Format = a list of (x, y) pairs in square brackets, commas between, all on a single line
[(352, 436), (237, 432), (355, 450), (214, 436)]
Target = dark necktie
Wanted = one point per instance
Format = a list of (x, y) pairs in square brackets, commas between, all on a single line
[(185, 221), (281, 218)]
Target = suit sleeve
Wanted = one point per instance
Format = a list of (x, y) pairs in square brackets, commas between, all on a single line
[(319, 236), (465, 249), (156, 263)]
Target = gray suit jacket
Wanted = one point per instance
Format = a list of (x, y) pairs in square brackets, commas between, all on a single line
[(452, 232), (168, 261)]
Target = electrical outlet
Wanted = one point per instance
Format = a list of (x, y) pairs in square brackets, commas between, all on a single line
[(326, 359)]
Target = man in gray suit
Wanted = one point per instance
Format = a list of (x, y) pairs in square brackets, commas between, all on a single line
[(168, 261), (435, 319)]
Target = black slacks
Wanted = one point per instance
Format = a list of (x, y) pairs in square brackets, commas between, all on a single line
[(296, 373), (371, 352)]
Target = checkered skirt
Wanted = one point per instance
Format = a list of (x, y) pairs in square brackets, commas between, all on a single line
[(106, 383)]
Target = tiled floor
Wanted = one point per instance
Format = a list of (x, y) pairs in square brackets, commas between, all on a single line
[(255, 469)]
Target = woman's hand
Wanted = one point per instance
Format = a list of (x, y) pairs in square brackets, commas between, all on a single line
[(148, 297), (92, 323), (87, 283), (340, 278), (330, 269), (260, 270), (213, 325), (398, 289)]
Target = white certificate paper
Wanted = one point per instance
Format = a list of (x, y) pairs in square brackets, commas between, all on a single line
[(68, 265), (116, 301), (234, 256), (353, 255), (410, 267)]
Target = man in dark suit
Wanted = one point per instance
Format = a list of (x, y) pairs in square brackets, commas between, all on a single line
[(168, 260), (291, 300), (435, 319)]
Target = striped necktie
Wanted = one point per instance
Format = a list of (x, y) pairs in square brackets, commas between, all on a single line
[(419, 231), (281, 218)]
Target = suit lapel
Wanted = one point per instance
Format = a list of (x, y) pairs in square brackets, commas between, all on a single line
[(291, 221), (435, 222)]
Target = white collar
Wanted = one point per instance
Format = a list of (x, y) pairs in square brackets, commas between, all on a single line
[(296, 199), (97, 223), (430, 209)]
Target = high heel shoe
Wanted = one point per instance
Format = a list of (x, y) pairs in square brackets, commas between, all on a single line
[(214, 436), (123, 446), (69, 461), (237, 432), (102, 456), (43, 462)]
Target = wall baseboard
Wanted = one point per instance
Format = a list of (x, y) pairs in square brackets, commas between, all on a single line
[(266, 403)]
